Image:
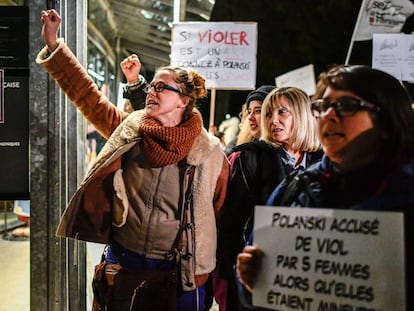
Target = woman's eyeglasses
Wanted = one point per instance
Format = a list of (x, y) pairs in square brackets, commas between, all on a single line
[(344, 107), (161, 86)]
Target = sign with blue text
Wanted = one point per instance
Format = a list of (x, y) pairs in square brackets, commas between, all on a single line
[(325, 259)]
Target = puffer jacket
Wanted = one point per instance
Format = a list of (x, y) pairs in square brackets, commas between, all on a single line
[(88, 215)]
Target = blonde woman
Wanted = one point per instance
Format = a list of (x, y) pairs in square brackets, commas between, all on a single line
[(289, 141)]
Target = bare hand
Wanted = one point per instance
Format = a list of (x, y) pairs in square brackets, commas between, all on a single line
[(51, 22), (131, 66), (248, 265)]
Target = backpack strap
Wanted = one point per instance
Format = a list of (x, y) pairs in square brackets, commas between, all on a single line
[(297, 182)]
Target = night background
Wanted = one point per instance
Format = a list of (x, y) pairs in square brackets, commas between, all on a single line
[(292, 34)]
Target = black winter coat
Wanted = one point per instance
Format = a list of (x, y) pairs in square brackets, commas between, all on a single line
[(255, 174)]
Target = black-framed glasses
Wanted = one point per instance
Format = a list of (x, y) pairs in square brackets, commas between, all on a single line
[(344, 107), (161, 86)]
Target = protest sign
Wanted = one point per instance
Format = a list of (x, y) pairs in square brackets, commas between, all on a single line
[(387, 53), (302, 78), (394, 54), (381, 16), (408, 59), (223, 52), (324, 259)]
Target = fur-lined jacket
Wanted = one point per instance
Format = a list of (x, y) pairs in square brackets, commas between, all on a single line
[(100, 207)]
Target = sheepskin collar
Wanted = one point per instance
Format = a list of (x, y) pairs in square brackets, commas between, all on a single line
[(129, 131)]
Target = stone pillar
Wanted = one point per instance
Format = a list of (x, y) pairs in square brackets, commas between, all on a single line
[(57, 165)]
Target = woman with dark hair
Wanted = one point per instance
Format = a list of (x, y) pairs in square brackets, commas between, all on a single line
[(366, 127), (153, 191)]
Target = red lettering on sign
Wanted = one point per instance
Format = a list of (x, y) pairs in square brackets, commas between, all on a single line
[(226, 37)]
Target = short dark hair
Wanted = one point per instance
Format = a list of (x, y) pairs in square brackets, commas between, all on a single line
[(396, 118)]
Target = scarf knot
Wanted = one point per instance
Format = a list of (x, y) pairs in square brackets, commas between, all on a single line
[(168, 145)]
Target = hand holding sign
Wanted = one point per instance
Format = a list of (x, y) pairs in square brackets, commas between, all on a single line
[(248, 265), (322, 259)]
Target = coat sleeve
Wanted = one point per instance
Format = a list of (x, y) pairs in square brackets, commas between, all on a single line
[(221, 187), (82, 91), (136, 94)]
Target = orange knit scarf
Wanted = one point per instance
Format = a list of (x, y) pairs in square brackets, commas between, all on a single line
[(168, 145)]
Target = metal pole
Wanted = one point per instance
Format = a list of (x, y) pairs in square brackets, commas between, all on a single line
[(5, 217), (212, 107), (6, 234), (351, 45), (176, 10)]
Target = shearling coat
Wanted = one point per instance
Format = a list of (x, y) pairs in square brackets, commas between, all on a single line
[(89, 214)]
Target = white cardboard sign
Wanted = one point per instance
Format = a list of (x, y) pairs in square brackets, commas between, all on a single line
[(324, 259), (388, 53), (302, 78), (394, 54), (223, 52)]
